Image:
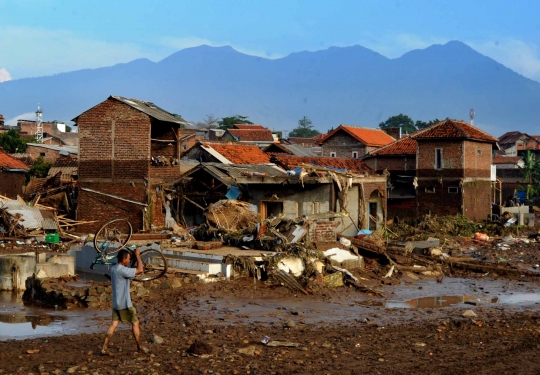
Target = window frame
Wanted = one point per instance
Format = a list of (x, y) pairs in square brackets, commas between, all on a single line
[(439, 159)]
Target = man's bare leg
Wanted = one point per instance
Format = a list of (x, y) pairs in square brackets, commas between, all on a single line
[(108, 336), (137, 336)]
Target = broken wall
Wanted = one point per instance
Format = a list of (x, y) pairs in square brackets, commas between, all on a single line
[(297, 201)]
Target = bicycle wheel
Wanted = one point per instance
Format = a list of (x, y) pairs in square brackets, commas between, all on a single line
[(112, 236), (154, 265)]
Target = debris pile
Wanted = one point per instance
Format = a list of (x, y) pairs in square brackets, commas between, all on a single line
[(230, 215)]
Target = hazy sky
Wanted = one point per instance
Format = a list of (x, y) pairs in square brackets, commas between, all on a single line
[(45, 37)]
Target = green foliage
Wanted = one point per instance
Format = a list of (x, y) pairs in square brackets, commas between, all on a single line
[(228, 122), (304, 129), (406, 123), (40, 169), (423, 124), (330, 130), (68, 129), (400, 121), (11, 142), (531, 174)]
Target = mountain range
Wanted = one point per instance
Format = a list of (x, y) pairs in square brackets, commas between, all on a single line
[(340, 85)]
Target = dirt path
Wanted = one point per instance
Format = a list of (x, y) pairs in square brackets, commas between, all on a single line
[(435, 341)]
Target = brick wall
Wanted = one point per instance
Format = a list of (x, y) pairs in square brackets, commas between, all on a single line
[(114, 142), (37, 151), (440, 202), (477, 161), (29, 127), (324, 231), (92, 206), (402, 208), (452, 159), (477, 200), (343, 145), (115, 151), (11, 183), (392, 163)]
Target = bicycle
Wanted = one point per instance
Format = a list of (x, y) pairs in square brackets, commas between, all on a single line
[(113, 236)]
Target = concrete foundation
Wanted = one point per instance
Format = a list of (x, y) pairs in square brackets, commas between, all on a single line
[(14, 270)]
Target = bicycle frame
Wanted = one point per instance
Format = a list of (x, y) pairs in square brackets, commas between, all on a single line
[(105, 259)]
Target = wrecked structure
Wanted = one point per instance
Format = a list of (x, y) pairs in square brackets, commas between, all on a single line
[(127, 150), (272, 192)]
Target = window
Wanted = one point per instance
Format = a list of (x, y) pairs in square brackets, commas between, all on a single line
[(355, 154), (438, 158), (453, 190), (479, 152), (332, 154), (430, 189), (316, 207), (269, 209), (184, 147), (42, 154)]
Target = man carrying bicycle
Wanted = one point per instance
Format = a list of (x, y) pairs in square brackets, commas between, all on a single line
[(122, 309)]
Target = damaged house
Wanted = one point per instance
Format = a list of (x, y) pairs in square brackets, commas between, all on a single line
[(128, 149), (307, 190)]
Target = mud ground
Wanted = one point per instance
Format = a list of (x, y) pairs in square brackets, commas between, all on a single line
[(499, 339)]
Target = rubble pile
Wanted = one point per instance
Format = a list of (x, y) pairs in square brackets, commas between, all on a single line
[(230, 215)]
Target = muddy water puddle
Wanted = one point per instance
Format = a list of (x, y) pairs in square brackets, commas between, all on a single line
[(403, 302), (19, 321)]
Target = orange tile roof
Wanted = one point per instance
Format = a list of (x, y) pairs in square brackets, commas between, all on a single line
[(9, 162), (248, 126), (506, 159), (368, 136), (453, 129), (403, 146), (252, 135), (352, 165), (298, 140), (238, 153)]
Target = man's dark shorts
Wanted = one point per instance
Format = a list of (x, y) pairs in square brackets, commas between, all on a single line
[(128, 315)]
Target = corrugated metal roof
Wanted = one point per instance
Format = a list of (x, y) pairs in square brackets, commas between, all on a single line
[(69, 149), (150, 109), (227, 173), (31, 215)]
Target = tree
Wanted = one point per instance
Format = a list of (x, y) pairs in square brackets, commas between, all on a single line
[(400, 121), (228, 122), (68, 128), (422, 124), (209, 122), (39, 169), (531, 174), (304, 129), (11, 142)]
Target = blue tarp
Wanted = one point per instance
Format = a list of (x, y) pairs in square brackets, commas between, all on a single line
[(233, 193)]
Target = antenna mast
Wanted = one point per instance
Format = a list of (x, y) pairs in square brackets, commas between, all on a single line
[(39, 126), (471, 115)]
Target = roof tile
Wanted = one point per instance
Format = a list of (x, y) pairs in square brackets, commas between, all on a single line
[(252, 135), (238, 153), (352, 165), (403, 146), (249, 126), (9, 162), (368, 136), (450, 128)]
